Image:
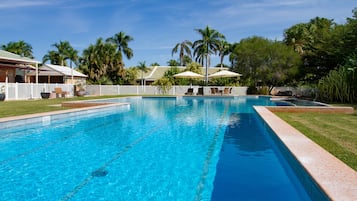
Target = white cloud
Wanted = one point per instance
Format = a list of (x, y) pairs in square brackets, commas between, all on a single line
[(7, 4)]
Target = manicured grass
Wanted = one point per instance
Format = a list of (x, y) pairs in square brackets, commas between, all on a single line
[(336, 133), (15, 108)]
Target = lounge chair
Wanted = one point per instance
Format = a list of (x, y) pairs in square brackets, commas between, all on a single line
[(214, 91), (200, 91), (227, 91), (189, 91), (61, 93)]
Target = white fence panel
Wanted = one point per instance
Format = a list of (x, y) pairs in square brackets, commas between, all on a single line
[(23, 91)]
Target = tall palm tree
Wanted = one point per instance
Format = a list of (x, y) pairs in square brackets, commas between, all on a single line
[(207, 45), (184, 46), (121, 40), (20, 47)]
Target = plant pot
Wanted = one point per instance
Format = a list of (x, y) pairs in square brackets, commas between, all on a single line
[(45, 95), (81, 93), (2, 97)]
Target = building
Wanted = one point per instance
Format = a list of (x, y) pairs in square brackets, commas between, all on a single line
[(13, 67), (49, 73)]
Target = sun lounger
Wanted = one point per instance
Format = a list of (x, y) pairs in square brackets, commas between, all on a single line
[(60, 93), (200, 91), (189, 92)]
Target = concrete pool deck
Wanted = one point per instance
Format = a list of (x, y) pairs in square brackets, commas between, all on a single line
[(334, 177)]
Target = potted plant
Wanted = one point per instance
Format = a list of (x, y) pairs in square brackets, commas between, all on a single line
[(2, 93), (44, 94), (80, 89)]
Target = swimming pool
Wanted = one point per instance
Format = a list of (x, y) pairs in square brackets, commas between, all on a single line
[(184, 148)]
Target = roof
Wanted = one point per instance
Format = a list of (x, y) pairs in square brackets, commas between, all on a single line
[(9, 57), (56, 70), (157, 72)]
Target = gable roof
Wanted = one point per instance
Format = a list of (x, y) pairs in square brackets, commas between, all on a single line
[(9, 57), (50, 69)]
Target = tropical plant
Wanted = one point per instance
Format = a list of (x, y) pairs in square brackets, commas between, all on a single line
[(121, 40), (170, 75), (164, 85), (173, 62), (20, 47), (142, 67), (340, 85), (207, 45), (64, 51), (223, 50), (99, 62), (270, 63), (185, 50), (155, 64)]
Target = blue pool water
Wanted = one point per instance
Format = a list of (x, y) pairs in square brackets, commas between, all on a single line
[(156, 149)]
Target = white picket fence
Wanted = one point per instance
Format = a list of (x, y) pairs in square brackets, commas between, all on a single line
[(25, 91)]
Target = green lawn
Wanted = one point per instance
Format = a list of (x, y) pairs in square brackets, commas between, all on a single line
[(336, 133)]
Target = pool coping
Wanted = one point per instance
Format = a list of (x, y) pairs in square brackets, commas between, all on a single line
[(334, 177), (58, 112)]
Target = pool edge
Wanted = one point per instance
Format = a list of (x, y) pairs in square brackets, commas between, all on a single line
[(29, 116), (334, 177)]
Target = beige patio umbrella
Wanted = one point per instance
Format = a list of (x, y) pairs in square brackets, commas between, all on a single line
[(224, 73), (188, 74)]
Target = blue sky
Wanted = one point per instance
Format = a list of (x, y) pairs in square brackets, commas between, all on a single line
[(155, 25)]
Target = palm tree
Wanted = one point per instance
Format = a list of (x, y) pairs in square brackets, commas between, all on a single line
[(121, 40), (52, 56), (21, 48), (208, 45), (63, 53), (142, 67), (223, 50), (185, 46), (100, 61)]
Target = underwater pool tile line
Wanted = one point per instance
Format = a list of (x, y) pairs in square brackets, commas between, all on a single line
[(209, 155), (334, 177), (126, 148)]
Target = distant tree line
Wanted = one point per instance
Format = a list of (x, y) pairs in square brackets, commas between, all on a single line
[(319, 53)]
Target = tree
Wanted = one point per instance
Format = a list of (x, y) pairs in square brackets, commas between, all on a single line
[(271, 63), (64, 51), (173, 62), (121, 40), (223, 50), (100, 61), (313, 41), (206, 46), (185, 47), (53, 57), (155, 64), (142, 67), (21, 48)]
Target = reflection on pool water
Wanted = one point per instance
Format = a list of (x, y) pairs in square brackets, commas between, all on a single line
[(187, 148)]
